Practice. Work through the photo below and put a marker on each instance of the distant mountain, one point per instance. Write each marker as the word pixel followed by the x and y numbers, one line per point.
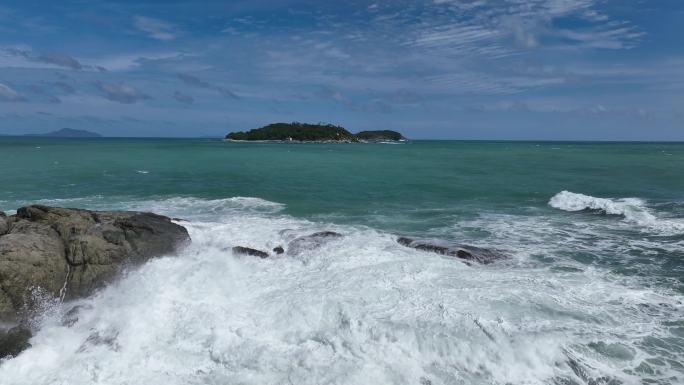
pixel 68 133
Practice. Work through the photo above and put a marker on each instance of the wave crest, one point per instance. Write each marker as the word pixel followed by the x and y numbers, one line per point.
pixel 633 210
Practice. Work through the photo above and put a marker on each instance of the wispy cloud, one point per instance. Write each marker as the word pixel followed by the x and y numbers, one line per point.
pixel 155 28
pixel 194 81
pixel 334 95
pixel 422 60
pixel 64 87
pixel 502 27
pixel 7 94
pixel 60 60
pixel 183 98
pixel 120 92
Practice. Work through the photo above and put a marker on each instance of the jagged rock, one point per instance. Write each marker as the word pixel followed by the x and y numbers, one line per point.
pixel 278 250
pixel 249 251
pixel 14 341
pixel 4 227
pixel 311 242
pixel 71 252
pixel 464 252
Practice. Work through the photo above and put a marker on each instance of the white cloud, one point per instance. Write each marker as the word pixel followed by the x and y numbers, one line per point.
pixel 7 94
pixel 127 61
pixel 60 60
pixel 196 82
pixel 120 92
pixel 463 28
pixel 155 28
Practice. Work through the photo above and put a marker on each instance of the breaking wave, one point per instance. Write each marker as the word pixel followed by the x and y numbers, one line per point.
pixel 360 309
pixel 633 210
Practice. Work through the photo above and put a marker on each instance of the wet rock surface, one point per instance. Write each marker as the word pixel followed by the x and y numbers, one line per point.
pixel 466 253
pixel 311 242
pixel 4 227
pixel 241 250
pixel 68 253
pixel 14 341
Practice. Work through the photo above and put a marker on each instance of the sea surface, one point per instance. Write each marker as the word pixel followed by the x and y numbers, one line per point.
pixel 593 291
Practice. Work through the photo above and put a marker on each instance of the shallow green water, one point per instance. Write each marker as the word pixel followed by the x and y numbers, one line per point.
pixel 425 188
pixel 350 179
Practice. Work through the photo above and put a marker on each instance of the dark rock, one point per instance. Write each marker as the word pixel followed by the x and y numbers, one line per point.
pixel 4 226
pixel 248 251
pixel 278 250
pixel 14 341
pixel 69 253
pixel 464 252
pixel 325 234
pixel 311 242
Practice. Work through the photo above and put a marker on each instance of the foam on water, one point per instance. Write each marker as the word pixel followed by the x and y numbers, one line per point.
pixel 633 210
pixel 361 309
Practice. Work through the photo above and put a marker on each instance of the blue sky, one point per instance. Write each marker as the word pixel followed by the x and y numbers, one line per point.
pixel 451 69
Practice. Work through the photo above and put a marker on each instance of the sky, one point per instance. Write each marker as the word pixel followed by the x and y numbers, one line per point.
pixel 431 69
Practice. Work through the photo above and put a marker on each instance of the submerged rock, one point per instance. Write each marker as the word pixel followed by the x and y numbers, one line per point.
pixel 71 317
pixel 278 250
pixel 464 252
pixel 14 341
pixel 249 251
pixel 68 253
pixel 311 242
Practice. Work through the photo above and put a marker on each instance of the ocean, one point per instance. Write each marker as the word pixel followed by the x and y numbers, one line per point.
pixel 592 291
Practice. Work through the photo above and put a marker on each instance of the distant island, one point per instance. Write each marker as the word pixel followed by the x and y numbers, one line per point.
pixel 380 136
pixel 67 133
pixel 304 132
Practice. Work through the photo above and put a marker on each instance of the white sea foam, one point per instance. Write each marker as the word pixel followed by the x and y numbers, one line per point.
pixel 359 310
pixel 633 210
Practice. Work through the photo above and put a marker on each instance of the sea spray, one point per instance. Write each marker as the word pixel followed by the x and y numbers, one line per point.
pixel 360 309
pixel 633 210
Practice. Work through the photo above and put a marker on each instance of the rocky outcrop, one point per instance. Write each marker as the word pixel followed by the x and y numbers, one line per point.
pixel 468 254
pixel 241 250
pixel 311 242
pixel 4 227
pixel 13 341
pixel 68 253
pixel 295 247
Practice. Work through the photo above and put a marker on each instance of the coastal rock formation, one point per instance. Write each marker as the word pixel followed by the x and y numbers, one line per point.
pixel 311 242
pixel 468 254
pixel 4 227
pixel 68 253
pixel 241 250
pixel 14 341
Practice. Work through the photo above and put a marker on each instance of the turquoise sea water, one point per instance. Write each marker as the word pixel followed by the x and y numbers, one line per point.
pixel 593 290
